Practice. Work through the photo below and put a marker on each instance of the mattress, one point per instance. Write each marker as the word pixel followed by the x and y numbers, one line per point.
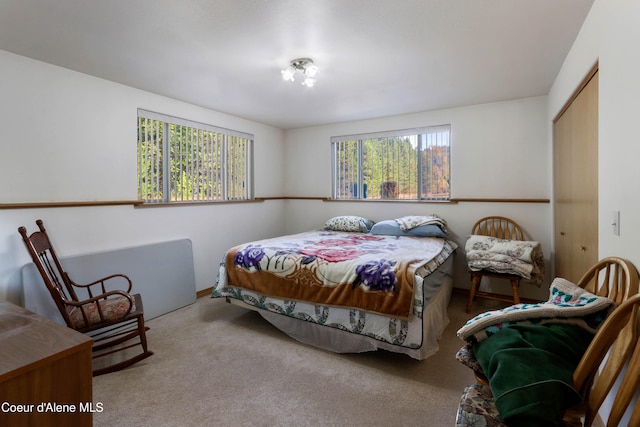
pixel 347 329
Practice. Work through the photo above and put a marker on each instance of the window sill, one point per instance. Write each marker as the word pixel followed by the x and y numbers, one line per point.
pixel 175 204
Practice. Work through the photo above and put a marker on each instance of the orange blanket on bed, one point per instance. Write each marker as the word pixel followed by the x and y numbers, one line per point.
pixel 372 273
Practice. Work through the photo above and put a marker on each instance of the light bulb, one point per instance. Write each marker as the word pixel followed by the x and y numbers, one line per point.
pixel 310 70
pixel 309 82
pixel 288 73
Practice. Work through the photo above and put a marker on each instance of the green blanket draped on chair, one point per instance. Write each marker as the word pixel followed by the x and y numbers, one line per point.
pixel 530 369
pixel 529 352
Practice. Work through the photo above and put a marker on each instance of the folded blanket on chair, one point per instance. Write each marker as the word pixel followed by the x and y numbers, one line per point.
pixel 530 370
pixel 567 303
pixel 520 257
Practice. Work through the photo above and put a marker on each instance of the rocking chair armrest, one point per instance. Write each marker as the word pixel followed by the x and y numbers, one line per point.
pixel 102 282
pixel 102 297
pixel 101 310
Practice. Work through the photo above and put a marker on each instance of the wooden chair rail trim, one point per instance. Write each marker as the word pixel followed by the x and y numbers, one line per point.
pixel 498 200
pixel 140 204
pixel 39 205
pixel 453 200
pixel 134 203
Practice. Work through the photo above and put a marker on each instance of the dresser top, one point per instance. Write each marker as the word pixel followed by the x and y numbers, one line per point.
pixel 27 339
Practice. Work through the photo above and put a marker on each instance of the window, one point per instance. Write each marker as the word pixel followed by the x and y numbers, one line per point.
pixel 411 164
pixel 184 161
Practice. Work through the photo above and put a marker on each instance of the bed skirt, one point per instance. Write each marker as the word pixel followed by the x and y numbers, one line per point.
pixel 433 322
pixel 337 341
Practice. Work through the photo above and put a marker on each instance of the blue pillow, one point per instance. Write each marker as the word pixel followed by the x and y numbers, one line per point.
pixel 390 227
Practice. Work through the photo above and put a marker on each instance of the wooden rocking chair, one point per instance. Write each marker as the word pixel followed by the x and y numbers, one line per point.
pixel 110 317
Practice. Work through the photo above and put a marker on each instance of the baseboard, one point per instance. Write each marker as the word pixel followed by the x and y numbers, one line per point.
pixel 461 291
pixel 204 292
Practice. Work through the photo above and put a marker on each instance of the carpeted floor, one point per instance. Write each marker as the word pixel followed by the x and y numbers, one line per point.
pixel 216 364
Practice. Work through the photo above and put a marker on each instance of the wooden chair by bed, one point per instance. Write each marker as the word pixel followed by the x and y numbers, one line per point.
pixel 501 228
pixel 618 337
pixel 612 277
pixel 112 318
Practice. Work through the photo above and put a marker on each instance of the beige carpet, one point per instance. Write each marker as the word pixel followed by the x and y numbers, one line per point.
pixel 216 364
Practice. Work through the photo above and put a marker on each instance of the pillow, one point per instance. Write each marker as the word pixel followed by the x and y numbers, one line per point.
pixel 412 221
pixel 390 227
pixel 349 223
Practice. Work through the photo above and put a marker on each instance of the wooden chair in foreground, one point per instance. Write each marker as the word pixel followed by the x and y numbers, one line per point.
pixel 618 337
pixel 593 379
pixel 612 277
pixel 617 279
pixel 111 317
pixel 501 228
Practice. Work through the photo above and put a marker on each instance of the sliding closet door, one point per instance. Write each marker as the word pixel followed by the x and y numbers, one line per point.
pixel 575 158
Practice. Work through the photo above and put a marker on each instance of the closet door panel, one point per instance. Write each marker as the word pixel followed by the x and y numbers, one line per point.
pixel 576 184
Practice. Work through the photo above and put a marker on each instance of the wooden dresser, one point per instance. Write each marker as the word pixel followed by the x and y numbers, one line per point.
pixel 45 371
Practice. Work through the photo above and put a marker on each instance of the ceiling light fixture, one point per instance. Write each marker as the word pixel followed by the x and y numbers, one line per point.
pixel 306 66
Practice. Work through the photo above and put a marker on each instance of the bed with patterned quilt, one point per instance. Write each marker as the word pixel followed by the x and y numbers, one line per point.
pixel 351 287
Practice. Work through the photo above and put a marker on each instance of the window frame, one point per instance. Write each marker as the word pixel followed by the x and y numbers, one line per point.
pixel 217 138
pixel 359 192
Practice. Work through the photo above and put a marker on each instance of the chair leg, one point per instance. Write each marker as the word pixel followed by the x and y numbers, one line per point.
pixel 515 284
pixel 475 283
pixel 142 332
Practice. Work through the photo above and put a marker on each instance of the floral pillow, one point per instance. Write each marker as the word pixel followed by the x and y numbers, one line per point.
pixel 349 223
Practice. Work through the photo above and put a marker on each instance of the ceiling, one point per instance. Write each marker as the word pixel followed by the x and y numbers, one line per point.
pixel 375 57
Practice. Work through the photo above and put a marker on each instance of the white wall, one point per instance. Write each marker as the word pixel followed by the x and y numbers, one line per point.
pixel 72 137
pixel 499 150
pixel 610 36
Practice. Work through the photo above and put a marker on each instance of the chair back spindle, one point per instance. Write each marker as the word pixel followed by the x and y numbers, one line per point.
pixel 50 268
pixel 499 227
pixel 612 277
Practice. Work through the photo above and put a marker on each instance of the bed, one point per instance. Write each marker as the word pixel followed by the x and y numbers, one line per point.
pixel 348 289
